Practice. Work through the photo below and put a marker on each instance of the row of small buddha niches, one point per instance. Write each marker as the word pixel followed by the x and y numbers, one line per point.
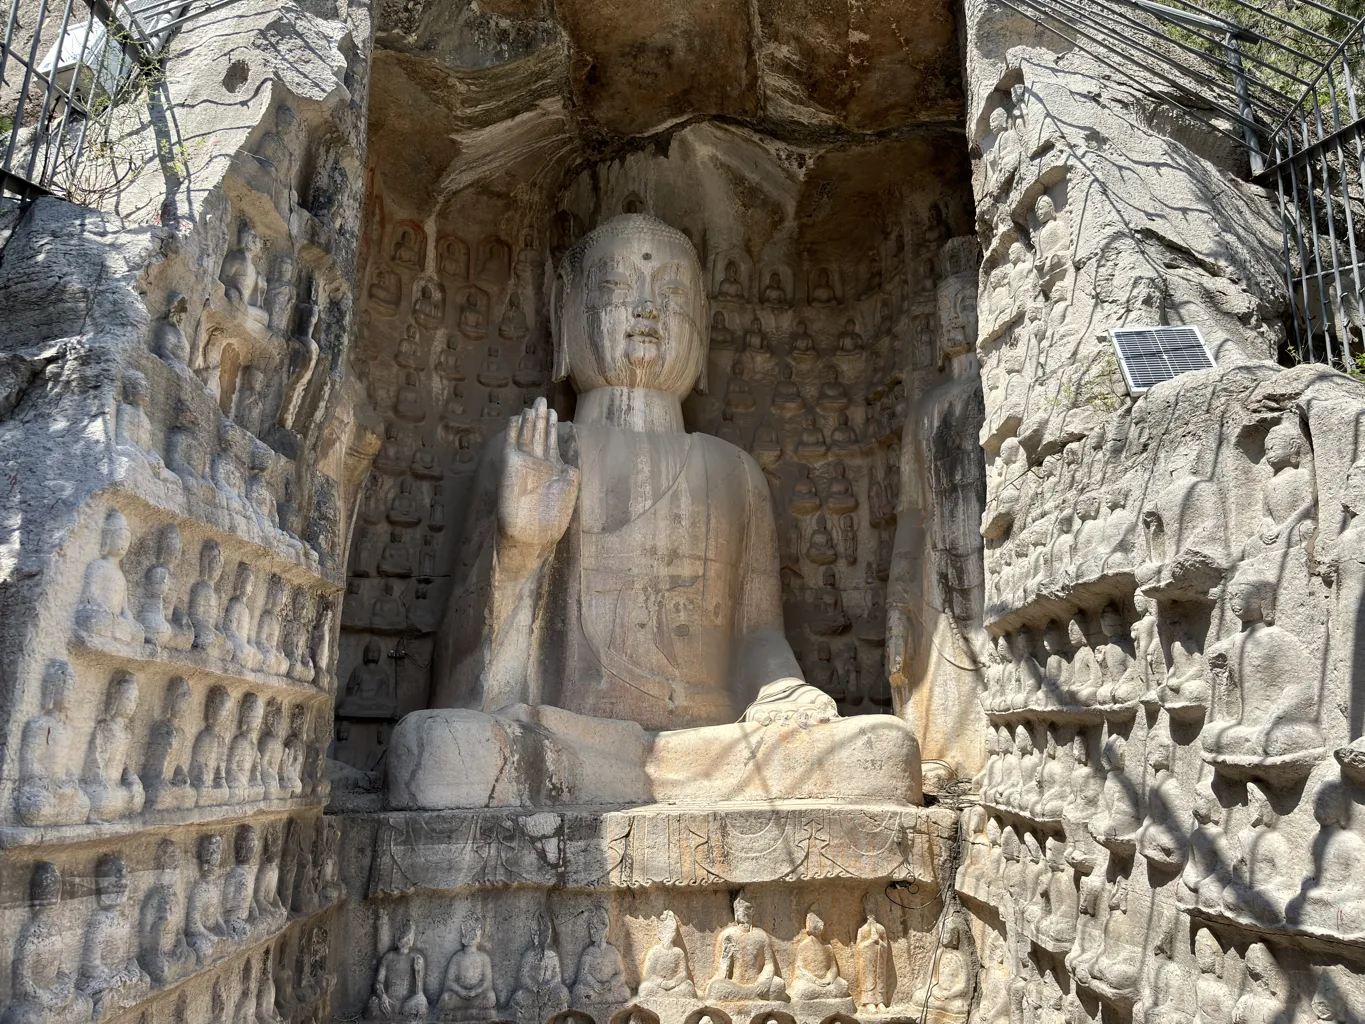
pixel 824 328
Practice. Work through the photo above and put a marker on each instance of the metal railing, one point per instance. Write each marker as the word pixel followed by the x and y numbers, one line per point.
pixel 1281 81
pixel 67 69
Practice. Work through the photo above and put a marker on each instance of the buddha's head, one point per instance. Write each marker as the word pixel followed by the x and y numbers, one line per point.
pixel 629 309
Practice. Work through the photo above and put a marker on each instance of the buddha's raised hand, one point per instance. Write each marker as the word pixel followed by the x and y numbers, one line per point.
pixel 538 489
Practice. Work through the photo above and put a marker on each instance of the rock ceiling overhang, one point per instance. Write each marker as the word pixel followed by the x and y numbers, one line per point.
pixel 502 93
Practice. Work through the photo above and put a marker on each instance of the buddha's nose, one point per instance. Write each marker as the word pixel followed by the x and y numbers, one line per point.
pixel 645 308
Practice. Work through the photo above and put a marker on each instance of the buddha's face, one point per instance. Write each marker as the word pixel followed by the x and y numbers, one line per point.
pixel 633 314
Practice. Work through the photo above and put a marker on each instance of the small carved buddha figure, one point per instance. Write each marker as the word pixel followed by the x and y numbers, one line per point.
pixel 243 771
pixel 773 292
pixel 1053 244
pixel 848 538
pixel 448 364
pixel 110 976
pixel 1161 839
pixel 728 429
pixel 766 448
pixel 395 559
pixel 1213 1000
pixel 803 345
pixel 204 927
pixel 513 325
pixel 805 499
pixel 730 286
pixel 400 980
pixel 409 354
pixel 746 963
pixel 428 303
pixel 386 290
pixel 822 674
pixel 266 1010
pixel 1054 778
pixel 843 437
pixel 113 788
pixel 492 373
pixel 601 977
pixel 103 609
pixel 164 771
pixel 271 749
pixel 229 480
pixel 168 334
pixel 1271 671
pixel 1029 679
pixel 291 763
pixel 203 604
pixel 850 341
pixel 403 508
pixel 948 990
pixel 1335 898
pixel 1085 785
pixel 828 617
pixel 786 395
pixel 872 954
pixel 296 649
pixel 721 336
pixel 472 323
pixel 48 792
pixel 407 404
pixel 530 371
pixel 241 281
pixel 162 950
pixel 820 550
pixel 267 909
pixel 493 410
pixel 815 972
pixel 540 991
pixel 1057 669
pixel 1186 689
pixel 405 251
pixel 267 643
pixel 1264 1000
pixel 1119 818
pixel 259 495
pixel 841 498
pixel 738 396
pixel 43 990
pixel 1089 940
pixel 1209 861
pixel 1059 926
pixel 468 989
pixel 239 912
pixel 387 612
pixel 237 620
pixel 280 295
pixel 1085 674
pixel 1114 662
pixel 1289 502
pixel 810 445
pixel 208 759
pixel 833 396
pixel 370 689
pixel 822 292
pixel 665 974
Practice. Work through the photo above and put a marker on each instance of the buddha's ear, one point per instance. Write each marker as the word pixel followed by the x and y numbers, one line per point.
pixel 558 289
pixel 704 336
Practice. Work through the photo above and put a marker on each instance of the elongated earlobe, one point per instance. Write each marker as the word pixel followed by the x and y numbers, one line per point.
pixel 557 293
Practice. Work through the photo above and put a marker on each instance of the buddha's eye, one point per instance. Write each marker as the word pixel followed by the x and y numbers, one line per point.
pixel 613 285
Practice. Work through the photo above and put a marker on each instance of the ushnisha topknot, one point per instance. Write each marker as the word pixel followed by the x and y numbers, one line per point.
pixel 624 225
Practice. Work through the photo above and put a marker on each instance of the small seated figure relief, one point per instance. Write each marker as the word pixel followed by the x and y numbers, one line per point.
pixel 393 457
pixel 371 690
pixel 1263 874
pixel 1029 678
pixel 406 251
pixel 1272 677
pixel 162 950
pixel 448 364
pixel 802 344
pixel 1187 527
pixel 1214 1003
pixel 738 395
pixel 1161 839
pixel 1209 860
pixel 843 437
pixel 1290 503
pixel 239 911
pixel 773 292
pixel 386 290
pixel 452 258
pixel 103 610
pixel 387 612
pixel 513 326
pixel 400 980
pixel 815 972
pixel 428 303
pixel 848 539
pixel 1058 928
pixel 1085 673
pixel 841 499
pixel 168 333
pixel 1085 785
pixel 540 991
pixel 872 954
pixel 403 508
pixel 241 281
pixel 110 976
pixel 1118 684
pixel 409 354
pixel 267 909
pixel 822 674
pixel 473 324
pixel 833 396
pixel 271 749
pixel 296 648
pixel 730 286
pixel 164 772
pixel 1333 900
pixel 810 445
pixel 722 337
pixel 1089 940
pixel 203 603
pixel 408 404
pixel 530 370
pixel 493 410
pixel 822 292
pixel 804 500
pixel 1119 818
pixel 42 989
pixel 273 661
pixel 665 974
pixel 1186 689
pixel 786 397
pixel 208 759
pixel 281 294
pixel 424 464
pixel 746 963
pixel 850 341
pixel 1053 244
pixel 729 430
pixel 204 928
pixel 259 495
pixel 755 341
pixel 291 762
pixel 820 550
pixel 237 620
pixel 947 992
pixel 468 990
pixel 243 771
pixel 828 616
pixel 134 426
pixel 395 559
pixel 601 977
pixel 1054 779
pixel 766 448
pixel 1116 972
pixel 492 373
pixel 229 480
pixel 109 782
pixel 48 792
pixel 1264 1000
pixel 1057 668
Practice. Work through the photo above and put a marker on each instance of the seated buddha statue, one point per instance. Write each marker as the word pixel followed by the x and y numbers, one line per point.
pixel 616 588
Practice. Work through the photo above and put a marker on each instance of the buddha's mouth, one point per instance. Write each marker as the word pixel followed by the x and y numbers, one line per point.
pixel 645 332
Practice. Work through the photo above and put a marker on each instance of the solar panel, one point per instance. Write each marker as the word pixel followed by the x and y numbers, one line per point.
pixel 1149 355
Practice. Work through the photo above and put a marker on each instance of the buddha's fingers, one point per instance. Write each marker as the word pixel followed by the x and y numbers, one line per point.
pixel 552 437
pixel 538 428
